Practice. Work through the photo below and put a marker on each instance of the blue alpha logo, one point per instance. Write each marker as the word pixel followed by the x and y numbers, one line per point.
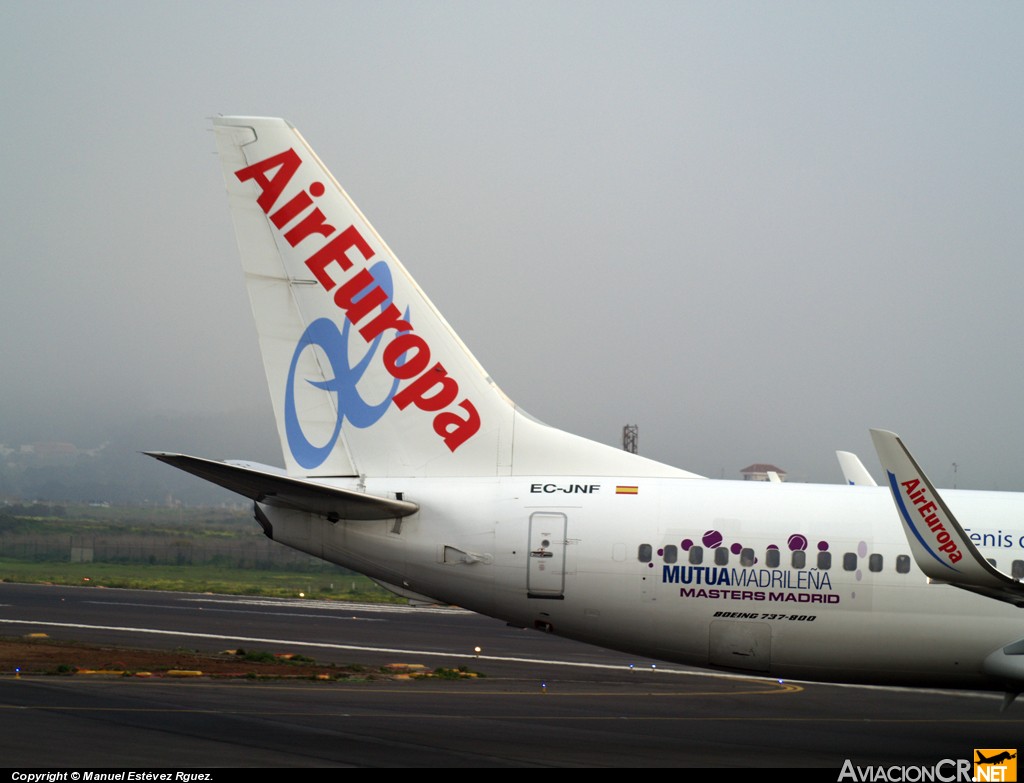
pixel 333 343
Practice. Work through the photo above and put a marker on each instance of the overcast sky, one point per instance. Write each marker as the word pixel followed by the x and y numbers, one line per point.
pixel 753 229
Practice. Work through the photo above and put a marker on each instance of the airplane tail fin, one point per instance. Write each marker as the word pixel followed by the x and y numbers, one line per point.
pixel 366 376
pixel 853 470
pixel 940 545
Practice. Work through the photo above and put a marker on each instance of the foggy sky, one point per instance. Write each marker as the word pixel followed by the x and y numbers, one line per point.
pixel 753 229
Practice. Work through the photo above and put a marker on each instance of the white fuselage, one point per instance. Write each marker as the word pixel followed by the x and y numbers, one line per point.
pixel 682 570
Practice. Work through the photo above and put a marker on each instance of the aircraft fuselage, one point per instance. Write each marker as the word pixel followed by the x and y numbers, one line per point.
pixel 742 576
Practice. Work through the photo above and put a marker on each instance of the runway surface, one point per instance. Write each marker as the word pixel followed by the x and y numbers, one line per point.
pixel 543 701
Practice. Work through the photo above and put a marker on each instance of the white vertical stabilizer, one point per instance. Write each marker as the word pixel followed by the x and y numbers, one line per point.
pixel 365 374
pixel 853 470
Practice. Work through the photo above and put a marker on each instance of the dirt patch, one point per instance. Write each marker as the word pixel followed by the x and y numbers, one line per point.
pixel 46 656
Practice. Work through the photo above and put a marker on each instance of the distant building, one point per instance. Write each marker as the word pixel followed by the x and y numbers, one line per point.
pixel 759 472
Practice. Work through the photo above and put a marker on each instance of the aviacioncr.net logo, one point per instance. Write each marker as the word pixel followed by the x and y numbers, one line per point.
pixel 333 343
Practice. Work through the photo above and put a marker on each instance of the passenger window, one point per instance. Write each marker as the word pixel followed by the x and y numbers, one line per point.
pixel 721 556
pixel 772 558
pixel 747 557
pixel 644 553
pixel 671 554
pixel 799 558
pixel 991 561
pixel 1017 569
pixel 875 563
pixel 850 561
pixel 824 560
pixel 696 555
pixel 903 564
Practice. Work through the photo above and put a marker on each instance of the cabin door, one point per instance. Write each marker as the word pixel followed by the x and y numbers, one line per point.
pixel 545 574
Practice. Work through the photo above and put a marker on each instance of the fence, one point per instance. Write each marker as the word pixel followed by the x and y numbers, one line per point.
pixel 258 553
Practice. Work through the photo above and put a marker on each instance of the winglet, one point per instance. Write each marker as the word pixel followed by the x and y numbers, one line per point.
pixel 941 548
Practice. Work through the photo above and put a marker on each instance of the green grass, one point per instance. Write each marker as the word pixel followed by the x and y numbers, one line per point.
pixel 139 547
pixel 133 520
pixel 329 584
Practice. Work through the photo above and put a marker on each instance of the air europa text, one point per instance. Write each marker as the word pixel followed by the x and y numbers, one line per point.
pixel 407 357
pixel 927 509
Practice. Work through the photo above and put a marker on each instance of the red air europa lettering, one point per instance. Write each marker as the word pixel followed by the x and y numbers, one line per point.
pixel 355 293
pixel 926 508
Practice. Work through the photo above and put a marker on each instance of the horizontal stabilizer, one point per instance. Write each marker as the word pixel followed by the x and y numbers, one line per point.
pixel 941 548
pixel 274 489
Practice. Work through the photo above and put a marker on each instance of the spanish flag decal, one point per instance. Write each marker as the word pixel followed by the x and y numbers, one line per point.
pixel 622 490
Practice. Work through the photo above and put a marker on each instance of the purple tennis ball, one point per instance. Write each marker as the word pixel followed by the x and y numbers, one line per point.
pixel 797 542
pixel 712 539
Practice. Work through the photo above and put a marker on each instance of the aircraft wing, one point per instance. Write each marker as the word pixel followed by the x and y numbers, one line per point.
pixel 265 485
pixel 938 542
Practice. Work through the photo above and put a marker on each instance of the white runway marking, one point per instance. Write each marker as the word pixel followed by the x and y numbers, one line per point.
pixel 360 648
pixel 261 613
pixel 469 656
